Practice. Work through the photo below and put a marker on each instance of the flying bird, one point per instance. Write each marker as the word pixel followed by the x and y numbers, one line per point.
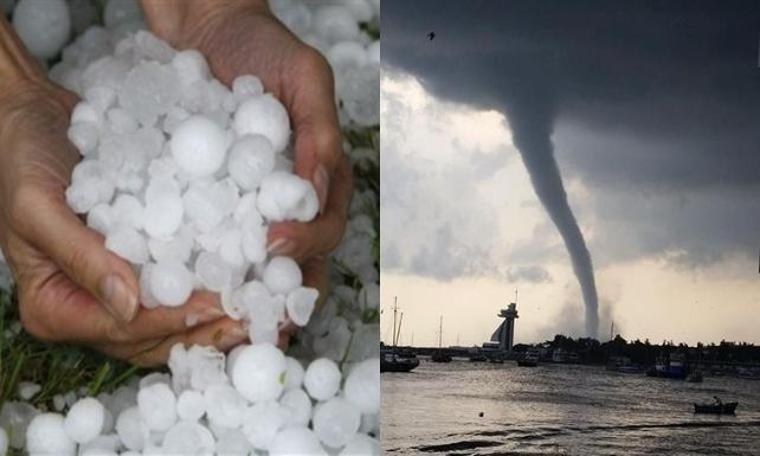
pixel 430 36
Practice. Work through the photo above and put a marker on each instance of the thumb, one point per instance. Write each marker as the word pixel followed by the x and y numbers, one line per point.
pixel 80 252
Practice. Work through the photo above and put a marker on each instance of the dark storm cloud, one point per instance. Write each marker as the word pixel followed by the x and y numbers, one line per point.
pixel 685 72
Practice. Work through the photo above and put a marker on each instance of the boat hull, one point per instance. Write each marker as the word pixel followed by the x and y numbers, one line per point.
pixel 729 408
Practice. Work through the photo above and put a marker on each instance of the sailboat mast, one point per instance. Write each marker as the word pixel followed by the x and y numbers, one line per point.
pixel 400 320
pixel 395 309
pixel 440 333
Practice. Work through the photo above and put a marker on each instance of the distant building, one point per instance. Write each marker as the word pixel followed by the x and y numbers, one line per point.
pixel 503 338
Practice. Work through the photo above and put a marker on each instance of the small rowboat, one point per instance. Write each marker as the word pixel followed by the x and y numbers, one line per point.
pixel 727 408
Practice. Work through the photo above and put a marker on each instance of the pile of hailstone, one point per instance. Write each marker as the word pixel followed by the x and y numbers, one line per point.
pixel 323 395
pixel 256 399
pixel 182 176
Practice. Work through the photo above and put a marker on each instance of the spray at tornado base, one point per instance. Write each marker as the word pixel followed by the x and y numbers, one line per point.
pixel 531 134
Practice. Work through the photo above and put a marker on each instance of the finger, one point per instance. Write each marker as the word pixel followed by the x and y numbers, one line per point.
pixel 318 141
pixel 49 225
pixel 223 334
pixel 302 241
pixel 202 307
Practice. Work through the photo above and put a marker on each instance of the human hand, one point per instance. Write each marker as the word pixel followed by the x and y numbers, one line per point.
pixel 71 289
pixel 243 37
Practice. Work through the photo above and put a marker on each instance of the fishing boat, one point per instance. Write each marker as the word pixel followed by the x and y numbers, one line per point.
pixel 671 367
pixel 393 358
pixel 716 408
pixel 440 356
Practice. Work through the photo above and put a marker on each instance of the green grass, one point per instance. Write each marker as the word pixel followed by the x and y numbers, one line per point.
pixel 57 368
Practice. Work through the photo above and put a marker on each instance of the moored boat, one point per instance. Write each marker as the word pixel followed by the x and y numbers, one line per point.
pixel 716 408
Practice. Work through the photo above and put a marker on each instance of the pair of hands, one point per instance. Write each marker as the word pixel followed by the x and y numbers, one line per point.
pixel 71 289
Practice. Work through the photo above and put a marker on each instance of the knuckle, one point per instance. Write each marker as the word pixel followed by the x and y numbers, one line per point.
pixel 315 64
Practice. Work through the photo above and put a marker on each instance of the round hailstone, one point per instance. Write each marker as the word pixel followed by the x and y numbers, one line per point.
pixel 85 420
pixel 335 23
pixel 246 86
pixel 264 115
pixel 191 66
pixel 322 379
pixel 44 29
pixel 171 284
pixel 46 435
pixel 163 208
pixel 187 438
pixel 199 146
pixel 84 136
pixel 212 271
pixel 361 444
pixel 300 304
pixel 259 371
pixel 191 405
pixel 295 374
pixel 224 406
pixel 292 441
pixel 232 442
pixel 232 357
pixel 284 196
pixel 158 406
pixel 336 422
pixel 262 421
pixel 362 386
pixel 251 159
pixel 128 243
pixel 298 405
pixel 282 275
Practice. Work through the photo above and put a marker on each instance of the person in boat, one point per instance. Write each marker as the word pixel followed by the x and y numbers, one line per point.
pixel 718 401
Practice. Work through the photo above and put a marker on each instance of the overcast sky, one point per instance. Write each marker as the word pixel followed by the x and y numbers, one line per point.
pixel 653 109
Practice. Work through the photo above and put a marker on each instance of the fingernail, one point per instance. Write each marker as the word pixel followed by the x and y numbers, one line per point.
pixel 120 301
pixel 321 185
pixel 282 246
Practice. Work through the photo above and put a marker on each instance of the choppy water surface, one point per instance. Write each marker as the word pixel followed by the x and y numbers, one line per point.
pixel 561 409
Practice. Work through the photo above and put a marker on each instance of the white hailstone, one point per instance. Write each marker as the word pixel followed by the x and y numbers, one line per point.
pixel 190 405
pixel 191 66
pixel 363 445
pixel 284 196
pixel 171 283
pixel 206 367
pixel 264 115
pixel 336 422
pixel 361 95
pixel 153 378
pixel 128 243
pixel 4 442
pixel 188 438
pixel 231 248
pixel 298 405
pixel 148 91
pixel 295 374
pixel 212 271
pixel 84 136
pixel 282 275
pixel 322 379
pixel 232 357
pixel 180 248
pixel 199 146
pixel 44 30
pixel 208 203
pixel 259 372
pixel 224 406
pixel 45 435
pixel 254 237
pixel 335 23
pixel 247 86
pixel 27 390
pixel 361 9
pixel 232 442
pixel 59 403
pixel 251 159
pixel 158 406
pixel 262 421
pixel 163 208
pixel 362 386
pixel 300 304
pixel 146 295
pixel 292 441
pixel 121 121
pixel 101 445
pixel 84 421
pixel 346 54
pixel 100 97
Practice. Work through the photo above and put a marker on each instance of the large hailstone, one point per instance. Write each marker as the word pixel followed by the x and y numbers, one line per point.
pixel 285 196
pixel 259 371
pixel 322 379
pixel 264 115
pixel 85 420
pixel 199 146
pixel 46 435
pixel 362 386
pixel 44 28
pixel 336 422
